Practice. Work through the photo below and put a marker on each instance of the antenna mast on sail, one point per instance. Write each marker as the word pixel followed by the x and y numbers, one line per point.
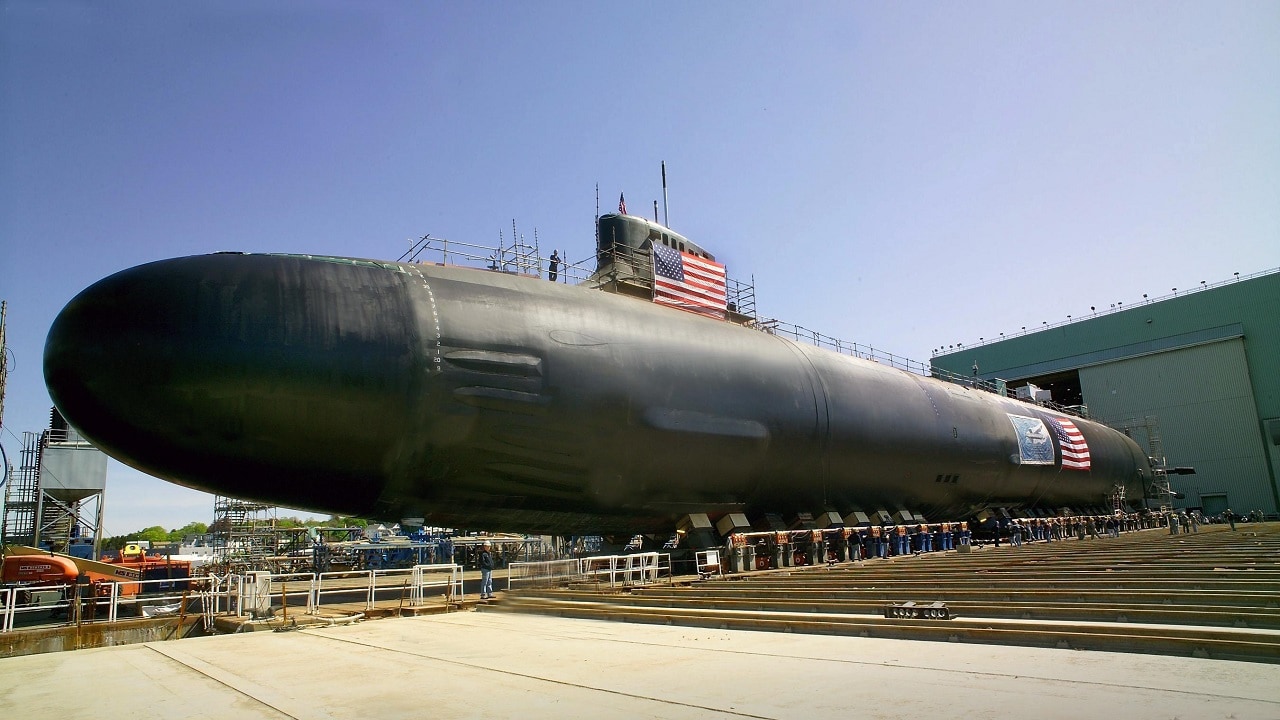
pixel 665 220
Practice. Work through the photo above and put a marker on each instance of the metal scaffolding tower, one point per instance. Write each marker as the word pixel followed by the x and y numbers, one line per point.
pixel 1118 504
pixel 21 494
pixel 1146 432
pixel 244 534
pixel 742 299
pixel 520 257
pixel 55 499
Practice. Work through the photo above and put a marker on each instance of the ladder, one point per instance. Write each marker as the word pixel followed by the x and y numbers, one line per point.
pixel 1160 489
pixel 1117 498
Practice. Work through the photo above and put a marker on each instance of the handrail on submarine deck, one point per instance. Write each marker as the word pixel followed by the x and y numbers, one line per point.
pixel 866 352
pixel 523 259
pixel 520 259
pixel 517 258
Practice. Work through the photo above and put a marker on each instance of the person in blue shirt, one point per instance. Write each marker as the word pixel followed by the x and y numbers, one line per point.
pixel 486 571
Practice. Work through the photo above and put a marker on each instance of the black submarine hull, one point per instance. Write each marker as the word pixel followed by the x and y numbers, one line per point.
pixel 478 399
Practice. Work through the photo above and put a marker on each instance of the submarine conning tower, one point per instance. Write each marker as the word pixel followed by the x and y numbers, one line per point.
pixel 624 262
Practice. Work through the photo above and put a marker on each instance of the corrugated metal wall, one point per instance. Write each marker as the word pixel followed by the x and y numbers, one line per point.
pixel 1204 403
pixel 1271 439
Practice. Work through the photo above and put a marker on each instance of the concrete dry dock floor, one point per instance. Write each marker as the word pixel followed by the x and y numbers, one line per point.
pixel 500 665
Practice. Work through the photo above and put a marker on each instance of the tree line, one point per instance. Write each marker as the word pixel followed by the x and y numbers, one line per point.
pixel 157 535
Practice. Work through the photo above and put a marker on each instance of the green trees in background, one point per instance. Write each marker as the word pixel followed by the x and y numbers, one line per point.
pixel 157 535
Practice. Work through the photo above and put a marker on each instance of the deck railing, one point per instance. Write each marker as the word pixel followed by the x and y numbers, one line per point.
pixel 527 260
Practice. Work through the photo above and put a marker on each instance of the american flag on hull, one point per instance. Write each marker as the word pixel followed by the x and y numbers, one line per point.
pixel 1075 451
pixel 688 282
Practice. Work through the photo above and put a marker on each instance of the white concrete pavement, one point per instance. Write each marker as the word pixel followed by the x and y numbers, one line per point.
pixel 501 665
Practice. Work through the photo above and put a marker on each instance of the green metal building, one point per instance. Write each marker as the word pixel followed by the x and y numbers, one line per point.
pixel 1193 377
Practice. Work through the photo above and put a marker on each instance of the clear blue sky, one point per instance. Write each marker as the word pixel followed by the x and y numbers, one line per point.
pixel 905 175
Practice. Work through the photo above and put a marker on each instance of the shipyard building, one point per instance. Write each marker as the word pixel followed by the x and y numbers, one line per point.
pixel 1193 376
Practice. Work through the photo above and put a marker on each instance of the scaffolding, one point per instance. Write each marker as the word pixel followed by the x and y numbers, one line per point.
pixel 1146 432
pixel 244 534
pixel 520 257
pixel 619 269
pixel 741 295
pixel 55 499
pixel 1118 503
pixel 21 495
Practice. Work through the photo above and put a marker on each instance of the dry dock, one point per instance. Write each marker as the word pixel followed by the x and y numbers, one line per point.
pixel 1211 594
pixel 531 665
pixel 498 665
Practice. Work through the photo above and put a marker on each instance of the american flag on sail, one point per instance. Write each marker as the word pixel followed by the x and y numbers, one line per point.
pixel 1075 451
pixel 688 282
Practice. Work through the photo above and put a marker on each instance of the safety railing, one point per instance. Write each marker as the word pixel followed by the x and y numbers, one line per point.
pixel 39 606
pixel 517 258
pixel 51 605
pixel 524 259
pixel 214 594
pixel 225 589
pixel 114 594
pixel 298 586
pixel 350 586
pixel 261 591
pixel 386 582
pixel 632 265
pixel 867 352
pixel 255 593
pixel 374 585
pixel 626 570
pixel 708 563
pixel 156 598
pixel 613 570
pixel 543 573
pixel 448 577
pixel 6 609
pixel 843 347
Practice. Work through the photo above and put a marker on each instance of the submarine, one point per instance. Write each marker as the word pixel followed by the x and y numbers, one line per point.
pixel 473 398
